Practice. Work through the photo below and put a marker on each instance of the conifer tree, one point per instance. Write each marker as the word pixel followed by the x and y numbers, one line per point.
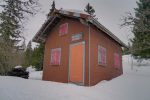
pixel 90 10
pixel 12 17
pixel 52 9
pixel 28 55
pixel 141 29
pixel 37 57
pixel 53 6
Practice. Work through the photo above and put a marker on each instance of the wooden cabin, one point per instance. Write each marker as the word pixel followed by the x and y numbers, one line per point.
pixel 78 49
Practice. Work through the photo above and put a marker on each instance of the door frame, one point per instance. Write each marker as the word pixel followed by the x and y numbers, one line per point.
pixel 71 45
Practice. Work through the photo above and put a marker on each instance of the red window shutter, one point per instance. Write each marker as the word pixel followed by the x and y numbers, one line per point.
pixel 104 56
pixel 55 56
pixel 101 55
pixel 63 29
pixel 52 57
pixel 117 60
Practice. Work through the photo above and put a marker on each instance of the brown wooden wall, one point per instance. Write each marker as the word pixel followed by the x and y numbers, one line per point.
pixel 98 73
pixel 60 73
pixel 106 72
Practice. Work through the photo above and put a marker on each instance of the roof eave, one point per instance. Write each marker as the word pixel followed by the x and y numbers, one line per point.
pixel 100 26
pixel 39 35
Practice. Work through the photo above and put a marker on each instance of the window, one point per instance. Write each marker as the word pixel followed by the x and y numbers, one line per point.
pixel 117 60
pixel 101 55
pixel 63 29
pixel 55 56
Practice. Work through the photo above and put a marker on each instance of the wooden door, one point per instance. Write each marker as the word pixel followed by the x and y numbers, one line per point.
pixel 77 63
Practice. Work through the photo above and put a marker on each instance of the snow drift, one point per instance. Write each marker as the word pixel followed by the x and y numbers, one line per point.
pixel 132 85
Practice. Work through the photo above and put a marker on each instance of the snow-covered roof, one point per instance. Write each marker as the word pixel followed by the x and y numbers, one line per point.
pixel 75 11
pixel 41 36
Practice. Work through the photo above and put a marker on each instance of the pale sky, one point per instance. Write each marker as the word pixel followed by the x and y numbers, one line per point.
pixel 108 12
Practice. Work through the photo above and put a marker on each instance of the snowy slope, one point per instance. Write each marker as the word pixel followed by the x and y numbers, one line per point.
pixel 37 75
pixel 132 85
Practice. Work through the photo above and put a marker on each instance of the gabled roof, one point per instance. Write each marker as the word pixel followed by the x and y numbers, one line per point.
pixel 55 17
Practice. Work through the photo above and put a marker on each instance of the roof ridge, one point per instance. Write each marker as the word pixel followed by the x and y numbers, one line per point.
pixel 84 16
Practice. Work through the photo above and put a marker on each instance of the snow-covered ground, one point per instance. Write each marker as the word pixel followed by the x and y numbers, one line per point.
pixel 132 85
pixel 37 75
pixel 33 74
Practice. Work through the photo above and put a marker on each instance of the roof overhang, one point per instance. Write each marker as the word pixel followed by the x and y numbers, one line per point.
pixel 41 35
pixel 109 33
pixel 49 24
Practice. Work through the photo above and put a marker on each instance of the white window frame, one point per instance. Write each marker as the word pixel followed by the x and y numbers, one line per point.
pixel 60 34
pixel 99 55
pixel 59 58
pixel 115 66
